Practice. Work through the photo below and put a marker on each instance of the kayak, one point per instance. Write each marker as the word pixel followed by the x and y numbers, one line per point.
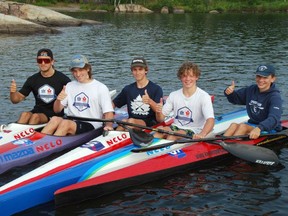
pixel 124 168
pixel 85 162
pixel 37 146
pixel 15 131
pixel 26 144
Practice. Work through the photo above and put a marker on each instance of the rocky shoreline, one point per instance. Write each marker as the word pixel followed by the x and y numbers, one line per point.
pixel 20 18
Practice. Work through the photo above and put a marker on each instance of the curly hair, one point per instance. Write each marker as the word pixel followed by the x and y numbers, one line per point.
pixel 188 67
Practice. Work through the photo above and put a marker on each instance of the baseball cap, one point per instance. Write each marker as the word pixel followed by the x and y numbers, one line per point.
pixel 265 70
pixel 139 61
pixel 78 61
pixel 45 52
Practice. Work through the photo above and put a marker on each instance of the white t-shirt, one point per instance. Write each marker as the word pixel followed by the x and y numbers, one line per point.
pixel 89 100
pixel 189 113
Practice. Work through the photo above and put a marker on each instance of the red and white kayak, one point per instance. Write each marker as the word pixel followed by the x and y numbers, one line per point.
pixel 124 168
pixel 37 146
pixel 93 159
pixel 25 144
pixel 15 131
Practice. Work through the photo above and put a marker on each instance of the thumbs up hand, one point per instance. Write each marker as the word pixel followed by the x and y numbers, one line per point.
pixel 13 86
pixel 159 106
pixel 62 95
pixel 230 89
pixel 146 98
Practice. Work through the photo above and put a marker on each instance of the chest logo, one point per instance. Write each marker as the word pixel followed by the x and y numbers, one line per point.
pixel 255 107
pixel 184 116
pixel 46 93
pixel 81 102
pixel 138 107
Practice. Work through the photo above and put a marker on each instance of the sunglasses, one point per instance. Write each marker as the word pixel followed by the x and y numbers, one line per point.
pixel 46 61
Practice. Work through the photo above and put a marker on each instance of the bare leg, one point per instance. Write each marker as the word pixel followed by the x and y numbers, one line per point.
pixel 24 117
pixel 172 137
pixel 231 130
pixel 162 135
pixel 52 125
pixel 243 129
pixel 119 128
pixel 66 127
pixel 38 118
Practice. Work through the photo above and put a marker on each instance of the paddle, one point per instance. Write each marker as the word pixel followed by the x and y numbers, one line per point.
pixel 250 153
pixel 183 141
pixel 145 127
pixel 139 138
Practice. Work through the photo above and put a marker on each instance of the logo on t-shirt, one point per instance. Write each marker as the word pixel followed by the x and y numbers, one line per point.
pixel 138 107
pixel 46 93
pixel 184 116
pixel 255 107
pixel 81 102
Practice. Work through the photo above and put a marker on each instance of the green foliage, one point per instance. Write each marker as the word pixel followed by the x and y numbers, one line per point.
pixel 189 6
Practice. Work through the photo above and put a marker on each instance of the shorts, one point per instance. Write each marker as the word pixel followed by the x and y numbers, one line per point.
pixel 149 122
pixel 262 132
pixel 83 127
pixel 49 113
pixel 187 131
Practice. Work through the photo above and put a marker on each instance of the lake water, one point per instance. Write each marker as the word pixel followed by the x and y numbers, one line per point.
pixel 226 46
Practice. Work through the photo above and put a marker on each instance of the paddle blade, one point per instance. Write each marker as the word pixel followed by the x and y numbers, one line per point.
pixel 255 154
pixel 140 138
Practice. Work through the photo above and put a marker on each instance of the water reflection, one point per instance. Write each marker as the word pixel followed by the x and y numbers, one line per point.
pixel 226 46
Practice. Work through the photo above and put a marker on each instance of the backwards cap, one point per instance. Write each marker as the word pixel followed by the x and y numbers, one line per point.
pixel 45 52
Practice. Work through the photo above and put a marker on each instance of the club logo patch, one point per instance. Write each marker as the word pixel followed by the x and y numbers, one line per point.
pixel 81 102
pixel 255 107
pixel 184 116
pixel 138 107
pixel 46 93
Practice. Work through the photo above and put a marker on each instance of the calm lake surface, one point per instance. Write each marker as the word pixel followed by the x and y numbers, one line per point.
pixel 226 46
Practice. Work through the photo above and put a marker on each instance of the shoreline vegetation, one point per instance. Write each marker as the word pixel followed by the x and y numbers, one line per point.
pixel 187 6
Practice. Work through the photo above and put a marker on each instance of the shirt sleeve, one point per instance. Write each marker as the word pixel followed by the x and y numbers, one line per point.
pixel 168 106
pixel 120 99
pixel 274 116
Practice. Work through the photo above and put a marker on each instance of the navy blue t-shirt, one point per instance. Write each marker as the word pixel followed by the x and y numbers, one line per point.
pixel 131 96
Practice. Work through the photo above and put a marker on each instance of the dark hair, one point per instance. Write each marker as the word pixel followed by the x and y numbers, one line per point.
pixel 89 68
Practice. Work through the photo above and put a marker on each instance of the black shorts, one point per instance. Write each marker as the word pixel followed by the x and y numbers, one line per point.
pixel 149 122
pixel 83 127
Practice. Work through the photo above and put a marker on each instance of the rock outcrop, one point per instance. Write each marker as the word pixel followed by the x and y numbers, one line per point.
pixel 24 18
pixel 14 25
pixel 42 16
pixel 132 8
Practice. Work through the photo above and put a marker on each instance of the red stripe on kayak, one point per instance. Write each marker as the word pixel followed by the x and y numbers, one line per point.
pixel 9 146
pixel 193 153
pixel 68 165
